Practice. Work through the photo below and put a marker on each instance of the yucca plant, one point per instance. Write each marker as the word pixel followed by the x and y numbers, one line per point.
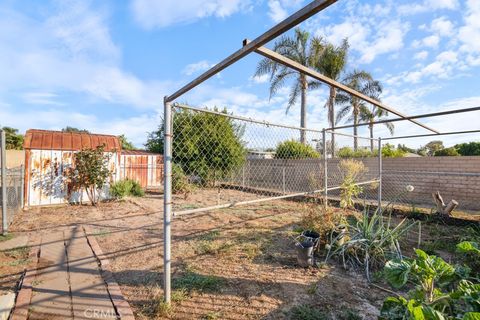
pixel 370 241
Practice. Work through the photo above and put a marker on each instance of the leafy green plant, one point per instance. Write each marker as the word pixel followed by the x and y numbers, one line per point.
pixel 471 255
pixel 89 172
pixel 370 241
pixel 180 183
pixel 206 145
pixel 292 149
pixel 125 188
pixel 351 171
pixel 431 298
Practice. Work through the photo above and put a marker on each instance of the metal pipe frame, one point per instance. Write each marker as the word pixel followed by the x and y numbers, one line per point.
pixel 426 115
pixel 325 169
pixel 351 135
pixel 432 135
pixel 265 123
pixel 241 203
pixel 290 22
pixel 380 169
pixel 167 199
pixel 295 19
pixel 3 158
pixel 318 76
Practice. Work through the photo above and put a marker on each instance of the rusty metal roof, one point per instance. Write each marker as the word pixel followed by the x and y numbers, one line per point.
pixel 72 141
pixel 139 153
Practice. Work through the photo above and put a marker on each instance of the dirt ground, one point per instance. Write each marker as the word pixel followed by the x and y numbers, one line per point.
pixel 237 263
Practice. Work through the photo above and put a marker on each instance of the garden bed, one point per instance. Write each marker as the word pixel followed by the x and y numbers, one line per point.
pixel 234 263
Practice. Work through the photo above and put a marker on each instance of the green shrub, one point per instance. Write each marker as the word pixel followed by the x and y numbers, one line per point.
pixel 468 149
pixel 352 172
pixel 447 152
pixel 206 145
pixel 292 149
pixel 125 188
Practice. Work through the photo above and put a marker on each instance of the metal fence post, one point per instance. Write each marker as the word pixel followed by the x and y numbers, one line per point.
pixel 380 168
pixel 283 180
pixel 325 169
pixel 167 199
pixel 22 179
pixel 4 182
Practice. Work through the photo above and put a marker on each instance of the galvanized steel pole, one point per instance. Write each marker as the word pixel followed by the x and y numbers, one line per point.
pixel 4 182
pixel 22 191
pixel 167 199
pixel 380 168
pixel 325 170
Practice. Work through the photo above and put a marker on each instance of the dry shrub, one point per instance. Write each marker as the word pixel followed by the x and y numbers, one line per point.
pixel 352 171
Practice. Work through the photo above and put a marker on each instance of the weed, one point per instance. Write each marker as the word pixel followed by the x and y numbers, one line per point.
pixel 5 237
pixel 127 187
pixel 17 253
pixel 306 312
pixel 312 289
pixel 192 281
pixel 15 263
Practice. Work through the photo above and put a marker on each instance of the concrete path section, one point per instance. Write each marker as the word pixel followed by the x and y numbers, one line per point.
pixel 68 284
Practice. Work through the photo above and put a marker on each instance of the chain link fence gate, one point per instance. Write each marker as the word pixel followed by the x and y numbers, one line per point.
pixel 11 187
pixel 220 160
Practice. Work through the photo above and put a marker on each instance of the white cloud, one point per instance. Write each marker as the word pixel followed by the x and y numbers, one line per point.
pixel 71 50
pixel 278 10
pixel 469 33
pixel 427 5
pixel 196 67
pixel 162 13
pixel 442 27
pixel 44 98
pixel 431 41
pixel 422 55
pixel 260 79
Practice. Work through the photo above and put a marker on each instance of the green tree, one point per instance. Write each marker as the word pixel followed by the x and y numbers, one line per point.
pixel 90 172
pixel 75 130
pixel 331 61
pixel 126 145
pixel 207 146
pixel 446 152
pixel 292 149
pixel 13 140
pixel 468 149
pixel 433 146
pixel 364 83
pixel 300 48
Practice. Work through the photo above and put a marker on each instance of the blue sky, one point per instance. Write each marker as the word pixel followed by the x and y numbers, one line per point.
pixel 106 65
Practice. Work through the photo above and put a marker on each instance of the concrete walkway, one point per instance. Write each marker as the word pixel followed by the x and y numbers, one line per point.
pixel 68 282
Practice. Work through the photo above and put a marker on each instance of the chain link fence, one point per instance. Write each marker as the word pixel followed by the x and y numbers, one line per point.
pixel 14 193
pixel 11 187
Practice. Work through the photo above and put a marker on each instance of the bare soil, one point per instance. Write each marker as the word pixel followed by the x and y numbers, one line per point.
pixel 237 263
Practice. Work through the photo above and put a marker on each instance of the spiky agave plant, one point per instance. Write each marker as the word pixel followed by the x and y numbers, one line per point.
pixel 370 242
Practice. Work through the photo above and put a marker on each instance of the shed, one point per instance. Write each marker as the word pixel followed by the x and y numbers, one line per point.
pixel 48 154
pixel 142 166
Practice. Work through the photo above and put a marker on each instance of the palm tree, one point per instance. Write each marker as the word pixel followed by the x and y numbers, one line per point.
pixel 370 114
pixel 364 83
pixel 331 63
pixel 304 50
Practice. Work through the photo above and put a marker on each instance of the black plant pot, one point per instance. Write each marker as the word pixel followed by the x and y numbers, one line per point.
pixel 305 253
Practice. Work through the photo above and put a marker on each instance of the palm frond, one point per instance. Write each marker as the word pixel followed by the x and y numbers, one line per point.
pixel 342 113
pixel 292 99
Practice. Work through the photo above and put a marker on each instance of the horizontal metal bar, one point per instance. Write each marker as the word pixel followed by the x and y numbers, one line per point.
pixel 316 75
pixel 426 115
pixel 268 124
pixel 350 135
pixel 240 203
pixel 432 135
pixel 431 173
pixel 298 17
